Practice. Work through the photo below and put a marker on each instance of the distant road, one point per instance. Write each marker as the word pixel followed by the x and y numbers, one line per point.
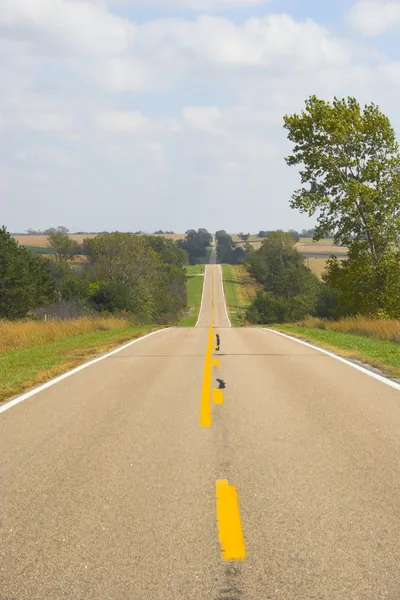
pixel 111 488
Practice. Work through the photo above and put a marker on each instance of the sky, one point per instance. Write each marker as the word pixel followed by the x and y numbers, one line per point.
pixel 168 114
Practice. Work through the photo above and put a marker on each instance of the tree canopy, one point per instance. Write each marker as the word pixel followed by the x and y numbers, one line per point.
pixel 25 279
pixel 350 171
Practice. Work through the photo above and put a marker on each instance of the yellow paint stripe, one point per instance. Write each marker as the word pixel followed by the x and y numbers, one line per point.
pixel 216 362
pixel 228 519
pixel 218 396
pixel 205 405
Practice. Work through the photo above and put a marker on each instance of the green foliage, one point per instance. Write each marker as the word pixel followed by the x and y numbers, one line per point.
pixel 268 308
pixel 195 244
pixel 25 280
pixel 365 285
pixel 64 246
pixel 350 174
pixel 227 252
pixel 138 274
pixel 70 285
pixel 291 289
pixel 168 250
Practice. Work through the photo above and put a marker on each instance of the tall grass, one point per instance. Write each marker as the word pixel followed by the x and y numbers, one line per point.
pixel 383 329
pixel 27 333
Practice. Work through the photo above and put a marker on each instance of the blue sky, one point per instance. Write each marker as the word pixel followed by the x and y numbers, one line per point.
pixel 149 114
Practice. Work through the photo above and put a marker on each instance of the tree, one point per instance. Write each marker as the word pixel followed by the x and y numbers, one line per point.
pixel 195 244
pixel 365 286
pixel 350 173
pixel 25 279
pixel 140 274
pixel 291 290
pixel 64 246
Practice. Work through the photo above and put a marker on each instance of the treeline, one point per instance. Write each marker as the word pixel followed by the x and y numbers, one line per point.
pixel 291 291
pixel 227 252
pixel 142 275
pixel 350 163
pixel 196 245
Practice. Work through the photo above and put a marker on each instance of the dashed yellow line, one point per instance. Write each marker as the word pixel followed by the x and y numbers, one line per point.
pixel 229 524
pixel 216 362
pixel 218 396
pixel 205 406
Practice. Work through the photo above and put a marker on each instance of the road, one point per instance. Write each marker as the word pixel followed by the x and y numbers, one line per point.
pixel 110 484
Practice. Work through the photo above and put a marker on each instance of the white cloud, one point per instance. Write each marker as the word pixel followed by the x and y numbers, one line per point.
pixel 373 17
pixel 197 5
pixel 202 118
pixel 157 112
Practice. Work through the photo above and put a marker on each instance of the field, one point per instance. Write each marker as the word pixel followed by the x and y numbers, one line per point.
pixel 195 275
pixel 32 353
pixel 240 291
pixel 323 248
pixel 42 241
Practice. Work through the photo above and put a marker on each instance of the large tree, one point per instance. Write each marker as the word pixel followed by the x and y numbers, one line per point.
pixel 64 246
pixel 350 172
pixel 25 279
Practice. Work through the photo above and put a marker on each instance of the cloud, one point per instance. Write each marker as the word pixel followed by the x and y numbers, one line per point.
pixel 173 119
pixel 196 5
pixel 373 17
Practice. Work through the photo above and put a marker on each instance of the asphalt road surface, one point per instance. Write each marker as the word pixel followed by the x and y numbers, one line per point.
pixel 110 484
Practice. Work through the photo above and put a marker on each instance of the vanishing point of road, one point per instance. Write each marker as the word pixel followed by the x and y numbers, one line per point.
pixel 171 470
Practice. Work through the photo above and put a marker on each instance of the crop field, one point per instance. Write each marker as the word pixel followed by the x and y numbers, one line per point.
pixel 42 241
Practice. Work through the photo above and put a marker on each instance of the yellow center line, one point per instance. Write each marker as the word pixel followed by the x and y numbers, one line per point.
pixel 229 525
pixel 205 406
pixel 216 362
pixel 218 396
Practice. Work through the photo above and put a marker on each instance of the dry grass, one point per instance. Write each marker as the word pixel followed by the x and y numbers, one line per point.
pixel 321 249
pixel 383 329
pixel 316 265
pixel 42 241
pixel 247 287
pixel 27 333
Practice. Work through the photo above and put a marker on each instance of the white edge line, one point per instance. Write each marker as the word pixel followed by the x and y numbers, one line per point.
pixel 202 294
pixel 380 378
pixel 52 382
pixel 223 292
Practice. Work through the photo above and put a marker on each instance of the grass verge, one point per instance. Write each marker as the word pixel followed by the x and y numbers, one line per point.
pixel 240 291
pixel 25 333
pixel 24 368
pixel 195 280
pixel 380 353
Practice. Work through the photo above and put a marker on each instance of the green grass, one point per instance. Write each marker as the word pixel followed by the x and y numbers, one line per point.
pixel 231 294
pixel 195 282
pixel 383 354
pixel 194 269
pixel 40 249
pixel 27 367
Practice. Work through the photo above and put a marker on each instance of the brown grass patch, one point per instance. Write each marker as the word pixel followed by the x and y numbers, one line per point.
pixel 321 249
pixel 26 333
pixel 247 286
pixel 41 240
pixel 383 329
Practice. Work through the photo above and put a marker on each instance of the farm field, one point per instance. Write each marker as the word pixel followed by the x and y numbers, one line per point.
pixel 316 265
pixel 240 291
pixel 306 246
pixel 41 240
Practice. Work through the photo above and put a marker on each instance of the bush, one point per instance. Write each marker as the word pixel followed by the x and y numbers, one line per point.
pixel 267 308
